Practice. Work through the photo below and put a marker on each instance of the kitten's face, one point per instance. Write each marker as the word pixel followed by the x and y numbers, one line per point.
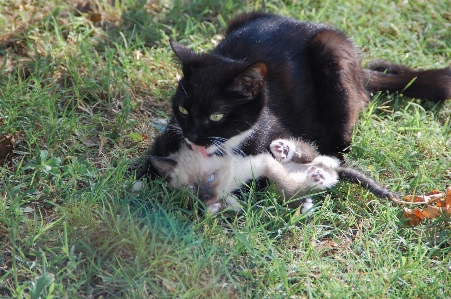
pixel 205 178
pixel 217 99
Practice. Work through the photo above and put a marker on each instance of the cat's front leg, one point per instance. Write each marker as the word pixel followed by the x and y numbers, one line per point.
pixel 282 149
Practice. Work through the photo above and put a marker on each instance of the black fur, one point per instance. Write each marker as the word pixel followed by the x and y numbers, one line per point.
pixel 357 177
pixel 283 78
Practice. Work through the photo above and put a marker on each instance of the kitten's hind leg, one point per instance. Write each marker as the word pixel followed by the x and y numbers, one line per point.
pixel 319 178
pixel 307 205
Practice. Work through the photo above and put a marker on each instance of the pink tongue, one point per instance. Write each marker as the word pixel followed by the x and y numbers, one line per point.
pixel 200 149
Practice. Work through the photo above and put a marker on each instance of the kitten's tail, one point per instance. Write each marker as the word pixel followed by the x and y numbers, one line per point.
pixel 357 177
pixel 433 85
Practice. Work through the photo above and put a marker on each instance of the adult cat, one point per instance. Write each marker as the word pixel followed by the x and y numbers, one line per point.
pixel 216 180
pixel 275 77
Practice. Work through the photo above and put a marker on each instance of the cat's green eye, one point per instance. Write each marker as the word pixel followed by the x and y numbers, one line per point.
pixel 183 110
pixel 216 116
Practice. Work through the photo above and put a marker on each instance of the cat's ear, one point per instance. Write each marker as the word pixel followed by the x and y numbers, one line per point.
pixel 164 165
pixel 183 53
pixel 250 81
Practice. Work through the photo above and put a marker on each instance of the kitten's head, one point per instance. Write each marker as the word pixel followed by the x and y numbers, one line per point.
pixel 205 178
pixel 217 98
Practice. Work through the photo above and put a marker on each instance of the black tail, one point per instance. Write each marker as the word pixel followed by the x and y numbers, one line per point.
pixel 357 177
pixel 433 85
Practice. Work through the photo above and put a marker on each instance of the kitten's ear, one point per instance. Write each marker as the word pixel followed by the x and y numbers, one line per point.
pixel 250 82
pixel 164 165
pixel 183 53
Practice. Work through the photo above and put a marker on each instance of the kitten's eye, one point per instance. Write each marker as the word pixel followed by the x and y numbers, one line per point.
pixel 216 116
pixel 191 187
pixel 211 178
pixel 183 110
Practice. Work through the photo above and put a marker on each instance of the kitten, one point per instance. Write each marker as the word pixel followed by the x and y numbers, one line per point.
pixel 214 180
pixel 274 77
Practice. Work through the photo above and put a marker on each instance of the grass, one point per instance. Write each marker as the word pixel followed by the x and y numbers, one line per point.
pixel 80 85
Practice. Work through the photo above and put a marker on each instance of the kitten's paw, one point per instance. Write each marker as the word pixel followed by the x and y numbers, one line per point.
pixel 307 205
pixel 233 203
pixel 316 176
pixel 283 150
pixel 319 178
pixel 214 208
pixel 137 186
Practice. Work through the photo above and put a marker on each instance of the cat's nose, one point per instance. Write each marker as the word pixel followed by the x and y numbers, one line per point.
pixel 193 134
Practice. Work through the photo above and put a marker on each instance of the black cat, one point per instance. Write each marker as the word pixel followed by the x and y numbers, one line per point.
pixel 274 77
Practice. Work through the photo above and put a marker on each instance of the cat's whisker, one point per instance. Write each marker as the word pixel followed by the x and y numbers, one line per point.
pixel 184 91
pixel 219 146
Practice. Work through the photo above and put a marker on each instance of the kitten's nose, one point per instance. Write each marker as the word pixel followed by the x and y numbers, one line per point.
pixel 204 193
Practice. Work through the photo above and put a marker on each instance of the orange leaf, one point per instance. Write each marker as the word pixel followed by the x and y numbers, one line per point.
pixel 407 198
pixel 433 195
pixel 435 192
pixel 415 216
pixel 441 204
pixel 448 198
pixel 431 212
pixel 95 17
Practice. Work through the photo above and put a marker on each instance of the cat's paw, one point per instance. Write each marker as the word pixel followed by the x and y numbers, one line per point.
pixel 317 177
pixel 283 150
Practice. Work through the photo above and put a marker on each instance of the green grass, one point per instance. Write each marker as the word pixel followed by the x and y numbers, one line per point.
pixel 79 98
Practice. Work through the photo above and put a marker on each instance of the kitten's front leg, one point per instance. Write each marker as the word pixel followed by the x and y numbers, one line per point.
pixel 282 149
pixel 224 203
pixel 214 208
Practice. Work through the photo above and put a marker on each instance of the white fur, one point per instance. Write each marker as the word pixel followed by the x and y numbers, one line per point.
pixel 137 186
pixel 277 149
pixel 214 208
pixel 307 205
pixel 232 171
pixel 233 203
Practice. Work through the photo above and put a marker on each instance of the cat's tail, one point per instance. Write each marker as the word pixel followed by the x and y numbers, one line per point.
pixel 357 177
pixel 433 85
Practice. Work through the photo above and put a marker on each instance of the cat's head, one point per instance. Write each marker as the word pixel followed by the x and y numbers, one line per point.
pixel 205 178
pixel 217 98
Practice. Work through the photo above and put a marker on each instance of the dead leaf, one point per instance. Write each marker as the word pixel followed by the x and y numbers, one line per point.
pixel 432 212
pixel 448 201
pixel 95 17
pixel 415 216
pixel 432 196
pixel 7 143
pixel 435 206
